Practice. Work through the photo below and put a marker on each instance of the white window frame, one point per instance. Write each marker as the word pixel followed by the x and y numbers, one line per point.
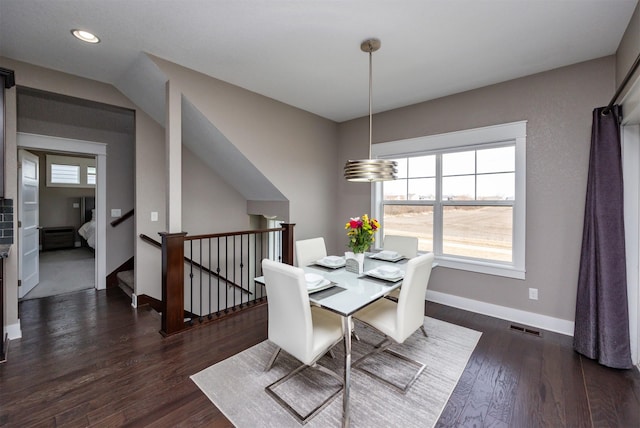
pixel 473 139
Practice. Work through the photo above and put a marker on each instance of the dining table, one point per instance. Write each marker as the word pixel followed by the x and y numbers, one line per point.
pixel 346 293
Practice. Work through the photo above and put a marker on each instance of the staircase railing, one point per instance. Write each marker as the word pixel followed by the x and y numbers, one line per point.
pixel 193 264
pixel 217 279
pixel 119 220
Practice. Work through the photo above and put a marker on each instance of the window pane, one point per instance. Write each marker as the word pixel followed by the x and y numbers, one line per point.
pixel 501 159
pixel 91 175
pixel 422 166
pixel 499 187
pixel 458 188
pixel 478 232
pixel 422 189
pixel 459 163
pixel 65 174
pixel 395 190
pixel 29 169
pixel 410 221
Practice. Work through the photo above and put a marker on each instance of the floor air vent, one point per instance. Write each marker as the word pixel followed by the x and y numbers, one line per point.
pixel 527 330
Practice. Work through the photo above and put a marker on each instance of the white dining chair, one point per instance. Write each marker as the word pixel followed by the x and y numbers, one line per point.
pixel 399 320
pixel 405 245
pixel 303 331
pixel 310 250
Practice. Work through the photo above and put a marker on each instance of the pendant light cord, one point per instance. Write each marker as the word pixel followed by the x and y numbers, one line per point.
pixel 370 100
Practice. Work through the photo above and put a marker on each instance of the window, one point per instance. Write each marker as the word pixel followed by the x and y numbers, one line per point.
pixel 70 171
pixel 91 175
pixel 462 194
pixel 65 174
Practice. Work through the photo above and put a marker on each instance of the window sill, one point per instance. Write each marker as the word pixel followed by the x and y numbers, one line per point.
pixel 482 267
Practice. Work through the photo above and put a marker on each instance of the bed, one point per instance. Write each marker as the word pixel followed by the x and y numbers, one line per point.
pixel 88 229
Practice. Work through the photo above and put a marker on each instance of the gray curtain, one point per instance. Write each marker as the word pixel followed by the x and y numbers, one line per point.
pixel 602 319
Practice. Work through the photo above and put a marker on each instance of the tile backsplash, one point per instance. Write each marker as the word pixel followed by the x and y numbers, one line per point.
pixel 6 221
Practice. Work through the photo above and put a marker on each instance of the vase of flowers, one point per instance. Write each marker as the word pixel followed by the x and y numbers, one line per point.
pixel 360 231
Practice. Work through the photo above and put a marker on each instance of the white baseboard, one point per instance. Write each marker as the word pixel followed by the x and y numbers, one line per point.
pixel 532 319
pixel 134 300
pixel 13 331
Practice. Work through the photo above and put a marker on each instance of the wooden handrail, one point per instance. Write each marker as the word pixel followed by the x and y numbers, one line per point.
pixel 119 220
pixel 157 244
pixel 150 240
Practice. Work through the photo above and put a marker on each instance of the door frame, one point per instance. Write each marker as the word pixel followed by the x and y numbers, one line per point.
pixel 99 150
pixel 631 176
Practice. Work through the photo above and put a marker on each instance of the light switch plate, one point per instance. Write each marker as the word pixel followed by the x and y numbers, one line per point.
pixel 154 216
pixel 116 212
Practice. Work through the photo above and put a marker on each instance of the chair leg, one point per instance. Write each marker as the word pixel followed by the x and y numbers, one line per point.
pixel 303 419
pixel 272 359
pixel 353 331
pixel 383 347
pixel 424 331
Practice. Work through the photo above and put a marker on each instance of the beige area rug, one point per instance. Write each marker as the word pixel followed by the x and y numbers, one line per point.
pixel 236 385
pixel 64 271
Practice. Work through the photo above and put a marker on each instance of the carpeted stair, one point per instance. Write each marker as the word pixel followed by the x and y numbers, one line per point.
pixel 126 281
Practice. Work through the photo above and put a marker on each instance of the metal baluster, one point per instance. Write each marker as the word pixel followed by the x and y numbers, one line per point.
pixel 210 270
pixel 191 281
pixel 255 266
pixel 234 272
pixel 201 270
pixel 218 271
pixel 226 265
pixel 241 269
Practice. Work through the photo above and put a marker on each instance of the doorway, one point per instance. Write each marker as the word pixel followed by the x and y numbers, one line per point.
pixel 90 150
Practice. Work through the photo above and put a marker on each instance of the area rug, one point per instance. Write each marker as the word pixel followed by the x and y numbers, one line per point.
pixel 236 385
pixel 64 271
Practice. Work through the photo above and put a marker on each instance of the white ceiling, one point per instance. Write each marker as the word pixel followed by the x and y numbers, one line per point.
pixel 306 53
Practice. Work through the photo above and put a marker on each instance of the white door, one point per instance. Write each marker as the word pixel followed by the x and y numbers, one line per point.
pixel 28 236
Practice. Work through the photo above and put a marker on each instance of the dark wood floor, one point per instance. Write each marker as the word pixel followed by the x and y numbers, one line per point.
pixel 89 359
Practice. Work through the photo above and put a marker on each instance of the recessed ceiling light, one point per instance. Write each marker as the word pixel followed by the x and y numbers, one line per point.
pixel 85 36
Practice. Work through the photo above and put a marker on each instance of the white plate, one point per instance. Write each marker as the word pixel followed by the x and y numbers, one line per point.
pixel 376 273
pixel 325 283
pixel 313 279
pixel 389 256
pixel 389 271
pixel 332 262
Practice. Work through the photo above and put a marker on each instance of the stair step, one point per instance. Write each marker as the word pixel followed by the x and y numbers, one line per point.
pixel 126 281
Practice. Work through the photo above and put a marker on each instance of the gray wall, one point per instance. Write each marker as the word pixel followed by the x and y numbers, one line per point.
pixel 628 51
pixel 209 205
pixel 557 105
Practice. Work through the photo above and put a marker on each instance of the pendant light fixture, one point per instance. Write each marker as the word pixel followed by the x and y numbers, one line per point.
pixel 369 170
